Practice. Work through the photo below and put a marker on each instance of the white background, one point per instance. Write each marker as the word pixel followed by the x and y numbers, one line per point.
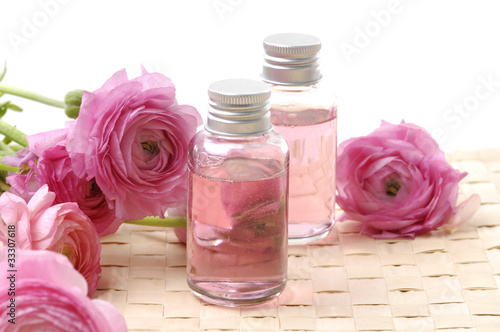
pixel 421 60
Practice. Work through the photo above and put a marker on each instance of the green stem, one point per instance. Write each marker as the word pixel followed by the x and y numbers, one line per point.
pixel 12 90
pixel 13 133
pixel 8 168
pixel 15 147
pixel 6 150
pixel 160 222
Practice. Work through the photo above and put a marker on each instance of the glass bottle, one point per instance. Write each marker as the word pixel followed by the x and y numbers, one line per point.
pixel 305 114
pixel 237 199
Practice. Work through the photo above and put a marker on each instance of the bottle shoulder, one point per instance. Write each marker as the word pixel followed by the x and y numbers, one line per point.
pixel 268 145
pixel 316 96
pixel 208 152
pixel 271 137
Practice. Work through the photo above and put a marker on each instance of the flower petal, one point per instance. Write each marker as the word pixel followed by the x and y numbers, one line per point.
pixel 463 213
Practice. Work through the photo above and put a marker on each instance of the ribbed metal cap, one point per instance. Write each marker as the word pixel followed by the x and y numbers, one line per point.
pixel 291 59
pixel 239 107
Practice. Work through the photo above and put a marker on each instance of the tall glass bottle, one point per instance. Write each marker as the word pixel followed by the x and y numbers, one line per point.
pixel 237 199
pixel 305 114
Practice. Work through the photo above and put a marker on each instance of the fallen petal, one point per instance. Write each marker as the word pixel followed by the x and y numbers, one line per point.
pixel 463 213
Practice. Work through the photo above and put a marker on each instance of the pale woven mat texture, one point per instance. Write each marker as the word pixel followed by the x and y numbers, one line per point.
pixel 347 282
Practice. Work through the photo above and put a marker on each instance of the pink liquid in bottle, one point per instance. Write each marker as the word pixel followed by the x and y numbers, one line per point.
pixel 237 243
pixel 311 137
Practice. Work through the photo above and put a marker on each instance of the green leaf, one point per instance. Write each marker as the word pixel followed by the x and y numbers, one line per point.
pixel 8 105
pixel 3 108
pixel 14 108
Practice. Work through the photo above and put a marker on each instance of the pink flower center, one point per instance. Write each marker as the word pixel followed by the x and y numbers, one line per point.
pixel 70 253
pixel 92 189
pixel 392 188
pixel 150 148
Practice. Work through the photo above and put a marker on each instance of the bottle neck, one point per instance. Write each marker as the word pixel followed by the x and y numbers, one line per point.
pixel 291 71
pixel 239 122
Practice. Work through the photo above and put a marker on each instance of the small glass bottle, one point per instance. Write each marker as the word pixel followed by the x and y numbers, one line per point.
pixel 237 199
pixel 305 114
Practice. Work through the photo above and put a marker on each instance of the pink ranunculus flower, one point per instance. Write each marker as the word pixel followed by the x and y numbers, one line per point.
pixel 50 295
pixel 62 228
pixel 49 163
pixel 181 233
pixel 179 210
pixel 22 183
pixel 397 182
pixel 132 137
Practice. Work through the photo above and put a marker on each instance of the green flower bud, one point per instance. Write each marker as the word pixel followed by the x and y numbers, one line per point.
pixel 72 102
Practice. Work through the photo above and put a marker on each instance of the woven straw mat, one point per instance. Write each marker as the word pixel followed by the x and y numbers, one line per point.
pixel 347 282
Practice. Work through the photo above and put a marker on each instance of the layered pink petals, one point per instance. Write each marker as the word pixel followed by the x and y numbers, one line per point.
pixel 22 183
pixel 49 164
pixel 62 228
pixel 396 181
pixel 132 137
pixel 50 295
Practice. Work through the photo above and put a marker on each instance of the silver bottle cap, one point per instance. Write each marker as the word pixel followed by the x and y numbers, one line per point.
pixel 239 107
pixel 291 59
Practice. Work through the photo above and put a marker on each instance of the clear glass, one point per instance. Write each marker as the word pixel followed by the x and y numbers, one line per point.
pixel 306 116
pixel 237 218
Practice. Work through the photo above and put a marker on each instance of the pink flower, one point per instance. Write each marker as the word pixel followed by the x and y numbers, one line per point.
pixel 179 210
pixel 397 182
pixel 50 164
pixel 50 295
pixel 62 228
pixel 22 183
pixel 132 137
